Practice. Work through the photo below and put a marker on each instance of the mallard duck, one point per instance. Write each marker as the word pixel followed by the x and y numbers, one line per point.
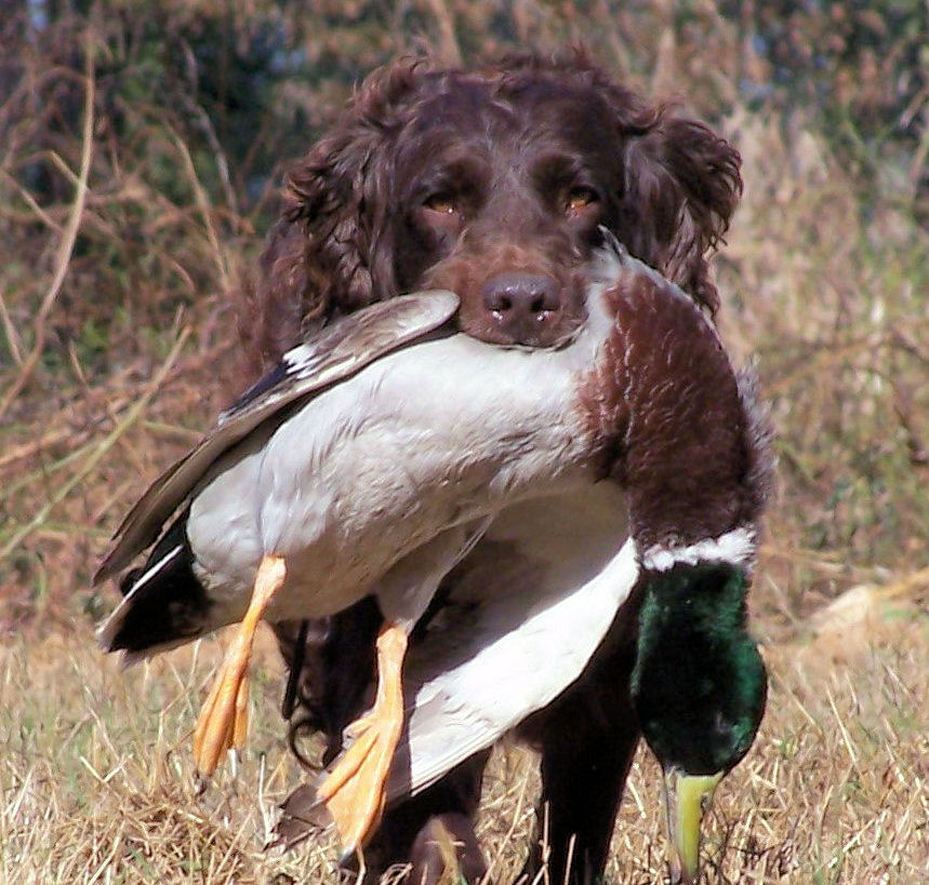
pixel 368 462
pixel 667 541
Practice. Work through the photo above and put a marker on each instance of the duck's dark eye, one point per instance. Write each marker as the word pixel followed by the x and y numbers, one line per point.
pixel 579 198
pixel 443 203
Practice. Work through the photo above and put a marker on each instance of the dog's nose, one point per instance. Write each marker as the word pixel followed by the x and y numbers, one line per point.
pixel 523 306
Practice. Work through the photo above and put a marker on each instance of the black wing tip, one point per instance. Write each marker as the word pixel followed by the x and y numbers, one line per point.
pixel 259 388
pixel 164 604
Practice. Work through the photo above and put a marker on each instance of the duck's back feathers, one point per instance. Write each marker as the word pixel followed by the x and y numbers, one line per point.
pixel 332 356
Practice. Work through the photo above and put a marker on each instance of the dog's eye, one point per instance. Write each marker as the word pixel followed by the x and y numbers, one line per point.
pixel 443 203
pixel 579 198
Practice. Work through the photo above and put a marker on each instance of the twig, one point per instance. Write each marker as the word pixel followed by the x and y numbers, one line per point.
pixel 450 50
pixel 10 330
pixel 131 417
pixel 30 201
pixel 69 431
pixel 175 432
pixel 34 446
pixel 195 109
pixel 66 246
pixel 823 355
pixel 203 206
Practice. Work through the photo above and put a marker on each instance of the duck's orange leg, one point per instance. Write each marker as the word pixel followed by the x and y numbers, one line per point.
pixel 354 791
pixel 223 721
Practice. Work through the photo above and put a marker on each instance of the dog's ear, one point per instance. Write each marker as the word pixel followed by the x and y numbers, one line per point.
pixel 328 254
pixel 682 185
pixel 272 302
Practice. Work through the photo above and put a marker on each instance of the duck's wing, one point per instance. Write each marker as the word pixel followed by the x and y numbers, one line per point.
pixel 526 613
pixel 336 353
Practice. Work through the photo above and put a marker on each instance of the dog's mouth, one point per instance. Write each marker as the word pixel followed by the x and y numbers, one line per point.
pixel 533 333
pixel 564 339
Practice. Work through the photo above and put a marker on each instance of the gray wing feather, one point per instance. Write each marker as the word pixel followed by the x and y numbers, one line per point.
pixel 491 668
pixel 335 354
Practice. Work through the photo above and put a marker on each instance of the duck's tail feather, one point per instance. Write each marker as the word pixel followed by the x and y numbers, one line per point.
pixel 164 604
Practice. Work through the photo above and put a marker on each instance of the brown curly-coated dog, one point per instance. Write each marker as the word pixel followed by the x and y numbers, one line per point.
pixel 491 182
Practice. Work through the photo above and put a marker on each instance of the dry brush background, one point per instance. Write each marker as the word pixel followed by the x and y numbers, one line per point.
pixel 140 148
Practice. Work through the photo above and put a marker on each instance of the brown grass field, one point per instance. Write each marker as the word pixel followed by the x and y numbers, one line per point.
pixel 128 214
pixel 98 785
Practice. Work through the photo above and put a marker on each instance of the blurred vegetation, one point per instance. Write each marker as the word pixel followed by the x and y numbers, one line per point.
pixel 141 146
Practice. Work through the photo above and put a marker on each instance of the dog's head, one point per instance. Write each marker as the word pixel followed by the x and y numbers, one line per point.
pixel 493 183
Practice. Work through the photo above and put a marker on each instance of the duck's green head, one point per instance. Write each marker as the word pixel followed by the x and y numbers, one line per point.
pixel 699 687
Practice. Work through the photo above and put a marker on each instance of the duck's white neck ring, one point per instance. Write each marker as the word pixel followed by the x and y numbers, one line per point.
pixel 736 547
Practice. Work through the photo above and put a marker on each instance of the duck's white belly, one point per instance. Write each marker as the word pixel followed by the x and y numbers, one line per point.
pixel 427 438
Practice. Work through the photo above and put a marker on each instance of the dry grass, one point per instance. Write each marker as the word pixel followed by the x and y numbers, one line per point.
pixel 125 219
pixel 97 783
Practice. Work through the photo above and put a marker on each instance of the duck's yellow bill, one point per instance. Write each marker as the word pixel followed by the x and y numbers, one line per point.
pixel 687 797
